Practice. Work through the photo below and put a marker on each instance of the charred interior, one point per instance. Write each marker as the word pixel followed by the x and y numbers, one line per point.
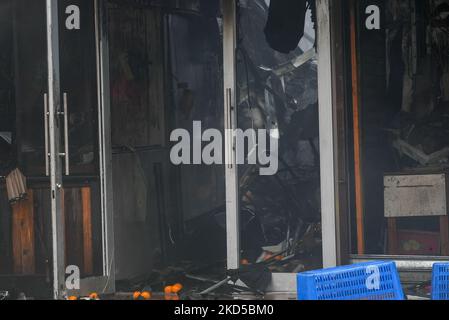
pixel 131 73
pixel 403 94
pixel 178 215
pixel 165 71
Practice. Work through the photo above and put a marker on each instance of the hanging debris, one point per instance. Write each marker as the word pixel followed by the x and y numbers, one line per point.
pixel 285 24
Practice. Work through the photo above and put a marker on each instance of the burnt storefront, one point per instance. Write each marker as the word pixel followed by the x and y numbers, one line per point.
pixel 225 145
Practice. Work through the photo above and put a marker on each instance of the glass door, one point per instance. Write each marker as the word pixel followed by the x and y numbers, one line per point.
pixel 24 144
pixel 82 185
pixel 272 142
pixel 30 156
pixel 52 209
pixel 79 135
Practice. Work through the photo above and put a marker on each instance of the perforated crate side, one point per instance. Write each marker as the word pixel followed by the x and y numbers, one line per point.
pixel 349 283
pixel 440 281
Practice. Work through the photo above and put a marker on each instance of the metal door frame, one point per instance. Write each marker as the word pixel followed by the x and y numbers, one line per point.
pixel 327 134
pixel 105 146
pixel 331 246
pixel 54 109
pixel 230 124
pixel 327 125
pixel 106 282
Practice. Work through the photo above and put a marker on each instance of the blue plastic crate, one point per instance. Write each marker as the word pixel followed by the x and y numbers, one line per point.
pixel 354 282
pixel 440 281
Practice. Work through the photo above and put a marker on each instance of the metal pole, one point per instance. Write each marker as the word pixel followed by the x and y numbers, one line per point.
pixel 327 139
pixel 104 119
pixel 230 116
pixel 54 108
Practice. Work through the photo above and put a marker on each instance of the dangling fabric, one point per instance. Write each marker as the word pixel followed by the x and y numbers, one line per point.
pixel 285 24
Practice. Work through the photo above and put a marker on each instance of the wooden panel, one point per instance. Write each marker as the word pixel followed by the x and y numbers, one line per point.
pixel 42 228
pixel 5 233
pixel 87 230
pixel 78 226
pixel 444 235
pixel 73 216
pixel 415 195
pixel 358 170
pixel 392 236
pixel 23 235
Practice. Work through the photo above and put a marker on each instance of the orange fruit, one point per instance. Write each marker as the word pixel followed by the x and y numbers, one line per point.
pixel 177 287
pixel 167 296
pixel 72 298
pixel 244 262
pixel 136 295
pixel 93 295
pixel 168 289
pixel 175 297
pixel 146 295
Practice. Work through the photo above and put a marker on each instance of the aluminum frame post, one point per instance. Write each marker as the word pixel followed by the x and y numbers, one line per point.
pixel 230 116
pixel 327 136
pixel 54 108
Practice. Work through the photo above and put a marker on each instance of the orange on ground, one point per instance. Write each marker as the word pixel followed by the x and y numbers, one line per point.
pixel 136 295
pixel 177 287
pixel 168 289
pixel 93 295
pixel 146 295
